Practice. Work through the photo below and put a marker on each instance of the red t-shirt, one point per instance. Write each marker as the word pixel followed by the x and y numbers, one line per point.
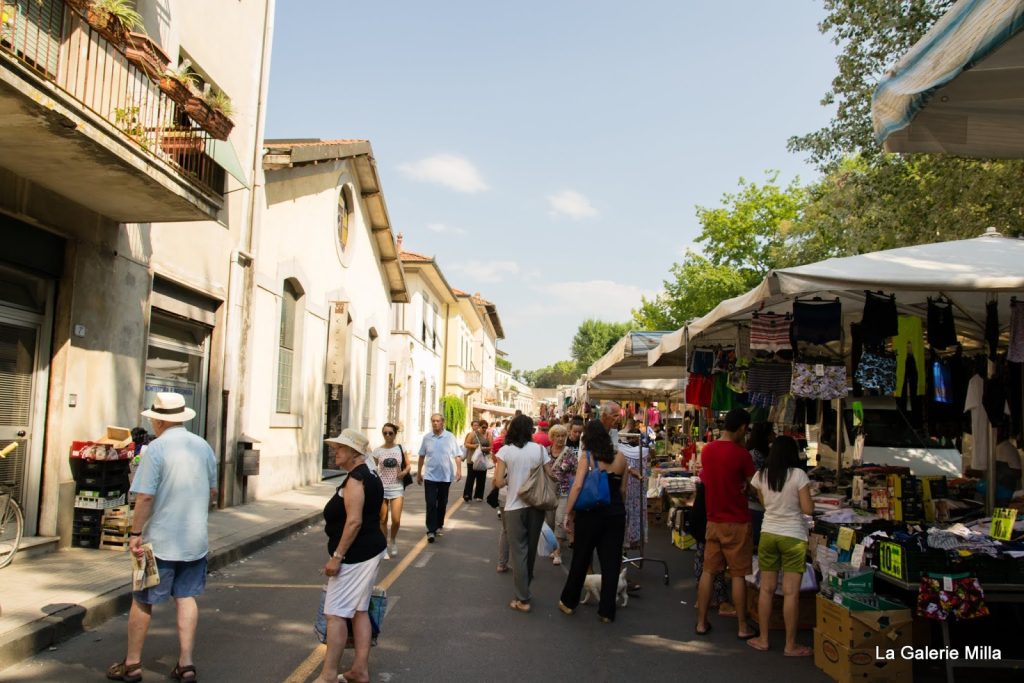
pixel 725 469
pixel 542 438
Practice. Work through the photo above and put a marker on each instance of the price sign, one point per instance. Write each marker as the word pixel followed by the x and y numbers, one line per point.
pixel 1002 523
pixel 858 556
pixel 846 538
pixel 891 559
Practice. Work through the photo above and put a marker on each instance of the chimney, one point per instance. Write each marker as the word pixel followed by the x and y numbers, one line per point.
pixel 398 242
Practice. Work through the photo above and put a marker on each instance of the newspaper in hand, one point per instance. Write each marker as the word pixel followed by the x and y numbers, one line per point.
pixel 144 570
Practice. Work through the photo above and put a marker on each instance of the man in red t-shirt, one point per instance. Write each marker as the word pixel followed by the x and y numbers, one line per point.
pixel 726 469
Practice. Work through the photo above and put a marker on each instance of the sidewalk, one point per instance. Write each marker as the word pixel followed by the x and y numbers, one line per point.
pixel 50 598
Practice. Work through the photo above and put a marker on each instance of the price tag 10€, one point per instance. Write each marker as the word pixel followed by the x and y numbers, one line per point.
pixel 1002 523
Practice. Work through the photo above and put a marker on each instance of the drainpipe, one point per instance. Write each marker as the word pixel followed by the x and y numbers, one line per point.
pixel 240 291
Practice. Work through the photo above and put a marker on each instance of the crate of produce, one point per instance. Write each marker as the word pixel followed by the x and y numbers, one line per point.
pixel 99 503
pixel 90 468
pixel 86 540
pixel 88 516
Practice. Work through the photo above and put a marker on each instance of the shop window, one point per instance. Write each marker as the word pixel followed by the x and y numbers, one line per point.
pixel 177 359
pixel 288 336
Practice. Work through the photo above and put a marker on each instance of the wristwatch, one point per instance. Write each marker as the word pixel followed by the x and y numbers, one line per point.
pixel 134 533
pixel 336 556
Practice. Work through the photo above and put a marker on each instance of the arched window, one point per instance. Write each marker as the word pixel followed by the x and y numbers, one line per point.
pixel 344 216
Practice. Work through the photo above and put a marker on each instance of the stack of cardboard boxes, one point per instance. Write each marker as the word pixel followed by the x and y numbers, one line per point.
pixel 857 630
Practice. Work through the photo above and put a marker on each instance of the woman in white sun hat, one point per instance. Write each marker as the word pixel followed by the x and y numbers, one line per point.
pixel 357 546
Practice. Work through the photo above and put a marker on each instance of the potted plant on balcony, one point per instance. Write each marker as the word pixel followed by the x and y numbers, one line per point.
pixel 113 19
pixel 147 55
pixel 177 83
pixel 198 110
pixel 182 142
pixel 219 123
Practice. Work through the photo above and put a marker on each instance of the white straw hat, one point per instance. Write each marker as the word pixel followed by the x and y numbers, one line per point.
pixel 169 407
pixel 353 438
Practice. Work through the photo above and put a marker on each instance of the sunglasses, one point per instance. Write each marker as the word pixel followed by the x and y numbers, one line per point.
pixel 388 433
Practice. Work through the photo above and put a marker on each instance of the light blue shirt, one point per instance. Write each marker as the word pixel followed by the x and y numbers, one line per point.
pixel 437 452
pixel 178 469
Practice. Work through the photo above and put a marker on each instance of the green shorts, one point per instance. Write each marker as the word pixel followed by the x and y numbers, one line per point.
pixel 781 553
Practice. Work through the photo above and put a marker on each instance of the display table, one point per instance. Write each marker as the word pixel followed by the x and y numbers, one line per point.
pixel 994 593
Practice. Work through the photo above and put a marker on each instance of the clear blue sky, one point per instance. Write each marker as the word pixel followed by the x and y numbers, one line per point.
pixel 550 154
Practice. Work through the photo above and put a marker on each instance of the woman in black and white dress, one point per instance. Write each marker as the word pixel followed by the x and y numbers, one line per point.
pixel 392 466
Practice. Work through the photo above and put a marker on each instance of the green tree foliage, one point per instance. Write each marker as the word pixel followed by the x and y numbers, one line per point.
pixel 503 364
pixel 593 339
pixel 871 35
pixel 741 241
pixel 549 377
pixel 454 410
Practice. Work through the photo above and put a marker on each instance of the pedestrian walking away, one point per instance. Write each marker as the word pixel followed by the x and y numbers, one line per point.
pixel 478 461
pixel 175 485
pixel 518 457
pixel 436 471
pixel 726 469
pixel 392 466
pixel 602 528
pixel 356 545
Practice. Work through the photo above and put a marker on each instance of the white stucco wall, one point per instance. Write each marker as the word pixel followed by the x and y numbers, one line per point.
pixel 298 239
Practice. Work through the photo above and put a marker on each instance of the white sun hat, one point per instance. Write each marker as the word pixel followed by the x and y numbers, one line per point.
pixel 353 438
pixel 169 407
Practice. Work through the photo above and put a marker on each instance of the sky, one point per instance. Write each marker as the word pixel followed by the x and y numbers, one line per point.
pixel 550 154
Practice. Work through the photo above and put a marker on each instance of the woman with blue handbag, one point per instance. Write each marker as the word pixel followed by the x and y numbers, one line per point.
pixel 596 518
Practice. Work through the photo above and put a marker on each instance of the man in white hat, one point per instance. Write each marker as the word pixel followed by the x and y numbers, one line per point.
pixel 175 485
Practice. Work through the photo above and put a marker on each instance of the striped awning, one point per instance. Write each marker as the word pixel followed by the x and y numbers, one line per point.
pixel 960 89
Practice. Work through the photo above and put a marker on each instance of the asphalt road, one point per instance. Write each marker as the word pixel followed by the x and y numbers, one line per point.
pixel 448 620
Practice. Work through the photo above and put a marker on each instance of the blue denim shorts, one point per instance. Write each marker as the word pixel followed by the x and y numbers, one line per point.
pixel 177 579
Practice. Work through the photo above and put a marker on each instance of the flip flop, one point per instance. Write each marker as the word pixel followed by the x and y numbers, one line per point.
pixel 520 606
pixel 801 651
pixel 759 648
pixel 707 629
pixel 755 634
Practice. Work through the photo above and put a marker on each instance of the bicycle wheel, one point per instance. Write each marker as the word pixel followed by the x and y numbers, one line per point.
pixel 11 528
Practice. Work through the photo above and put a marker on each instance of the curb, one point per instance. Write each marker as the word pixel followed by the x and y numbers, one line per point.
pixel 71 620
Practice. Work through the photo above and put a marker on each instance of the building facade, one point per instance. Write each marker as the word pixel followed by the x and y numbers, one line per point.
pixel 125 215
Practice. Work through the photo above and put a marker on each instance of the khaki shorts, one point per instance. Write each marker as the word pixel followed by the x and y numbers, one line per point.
pixel 781 553
pixel 729 545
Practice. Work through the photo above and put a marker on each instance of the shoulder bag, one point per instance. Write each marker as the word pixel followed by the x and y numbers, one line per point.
pixel 539 490
pixel 595 491
pixel 407 479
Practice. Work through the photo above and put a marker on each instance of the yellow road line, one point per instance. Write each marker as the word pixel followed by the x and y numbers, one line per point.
pixel 311 663
pixel 271 585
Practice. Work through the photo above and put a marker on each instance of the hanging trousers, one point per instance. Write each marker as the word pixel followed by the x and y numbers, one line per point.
pixel 911 335
pixel 596 530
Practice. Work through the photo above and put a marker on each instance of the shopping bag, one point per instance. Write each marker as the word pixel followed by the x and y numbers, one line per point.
pixel 320 622
pixel 145 573
pixel 595 491
pixel 539 490
pixel 378 610
pixel 547 543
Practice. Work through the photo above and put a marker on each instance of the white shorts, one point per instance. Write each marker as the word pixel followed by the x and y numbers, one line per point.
pixel 349 591
pixel 391 494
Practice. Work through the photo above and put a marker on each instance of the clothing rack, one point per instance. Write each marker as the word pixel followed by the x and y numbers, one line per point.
pixel 638 562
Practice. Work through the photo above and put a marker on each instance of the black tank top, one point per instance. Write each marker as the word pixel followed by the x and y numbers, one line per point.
pixel 370 541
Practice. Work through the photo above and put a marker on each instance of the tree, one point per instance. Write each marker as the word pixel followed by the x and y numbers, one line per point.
pixel 871 35
pixel 549 377
pixel 741 240
pixel 593 339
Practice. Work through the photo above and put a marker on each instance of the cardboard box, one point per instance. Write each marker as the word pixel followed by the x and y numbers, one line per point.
pixel 853 623
pixel 118 437
pixel 655 504
pixel 845 664
pixel 805 611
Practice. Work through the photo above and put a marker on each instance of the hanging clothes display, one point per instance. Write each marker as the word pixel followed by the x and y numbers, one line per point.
pixel 910 335
pixel 941 328
pixel 723 398
pixel 1015 353
pixel 992 328
pixel 979 422
pixel 877 371
pixel 703 362
pixel 815 380
pixel 816 322
pixel 699 389
pixel 880 319
pixel 653 416
pixel 942 381
pixel 769 378
pixel 770 332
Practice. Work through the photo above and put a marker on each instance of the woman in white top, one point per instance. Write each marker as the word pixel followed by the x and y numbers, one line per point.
pixel 784 490
pixel 513 464
pixel 392 466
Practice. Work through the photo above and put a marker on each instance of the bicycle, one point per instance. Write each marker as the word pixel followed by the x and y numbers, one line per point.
pixel 12 522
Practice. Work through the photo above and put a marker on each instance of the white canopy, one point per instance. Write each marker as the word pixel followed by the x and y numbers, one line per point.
pixel 968 272
pixel 623 372
pixel 958 90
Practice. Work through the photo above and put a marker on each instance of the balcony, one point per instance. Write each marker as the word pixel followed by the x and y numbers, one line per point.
pixel 467 379
pixel 78 118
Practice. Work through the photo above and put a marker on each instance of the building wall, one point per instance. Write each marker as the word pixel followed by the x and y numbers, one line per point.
pixel 298 240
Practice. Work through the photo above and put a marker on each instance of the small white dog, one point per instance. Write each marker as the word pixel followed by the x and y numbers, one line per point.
pixel 592 588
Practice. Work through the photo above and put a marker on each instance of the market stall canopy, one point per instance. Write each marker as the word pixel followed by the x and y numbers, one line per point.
pixel 623 372
pixel 960 89
pixel 968 272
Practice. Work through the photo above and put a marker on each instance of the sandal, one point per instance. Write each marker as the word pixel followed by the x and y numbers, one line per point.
pixel 800 651
pixel 502 569
pixel 707 629
pixel 757 646
pixel 748 636
pixel 121 671
pixel 181 673
pixel 520 606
